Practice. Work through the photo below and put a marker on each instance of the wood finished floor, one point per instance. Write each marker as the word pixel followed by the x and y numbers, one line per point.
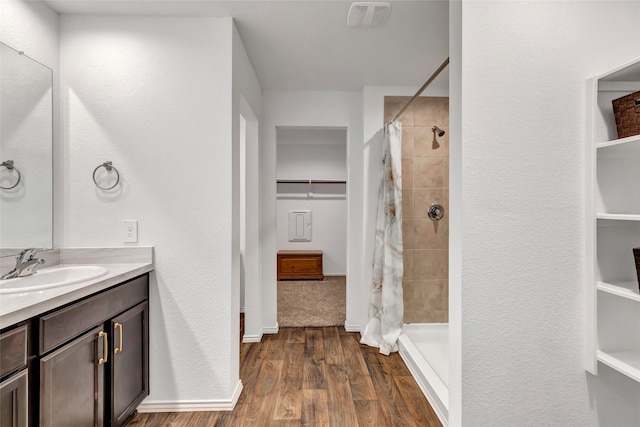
pixel 314 377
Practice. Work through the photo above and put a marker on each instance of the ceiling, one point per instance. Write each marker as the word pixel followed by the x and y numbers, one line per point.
pixel 306 44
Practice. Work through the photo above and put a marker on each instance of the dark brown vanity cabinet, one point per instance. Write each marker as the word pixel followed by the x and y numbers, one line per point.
pixel 72 382
pixel 14 377
pixel 129 366
pixel 89 364
pixel 100 373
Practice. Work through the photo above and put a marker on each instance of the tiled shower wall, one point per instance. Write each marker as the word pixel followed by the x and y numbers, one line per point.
pixel 425 180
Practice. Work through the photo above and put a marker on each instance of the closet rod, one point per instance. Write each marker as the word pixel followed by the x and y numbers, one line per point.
pixel 311 181
pixel 424 86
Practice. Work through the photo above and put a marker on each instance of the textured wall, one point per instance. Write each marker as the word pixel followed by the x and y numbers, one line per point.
pixel 154 95
pixel 524 71
pixel 425 180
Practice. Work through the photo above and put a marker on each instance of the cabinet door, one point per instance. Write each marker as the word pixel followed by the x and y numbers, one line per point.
pixel 14 400
pixel 129 362
pixel 72 382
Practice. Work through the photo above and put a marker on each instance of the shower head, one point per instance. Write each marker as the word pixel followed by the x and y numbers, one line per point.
pixel 435 129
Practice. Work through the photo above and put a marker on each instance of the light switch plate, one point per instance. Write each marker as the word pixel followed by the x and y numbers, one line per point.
pixel 131 231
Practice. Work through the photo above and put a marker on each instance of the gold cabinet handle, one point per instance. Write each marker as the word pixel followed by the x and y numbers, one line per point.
pixel 105 347
pixel 118 349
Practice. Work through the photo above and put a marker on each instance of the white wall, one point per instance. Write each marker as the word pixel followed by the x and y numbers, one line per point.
pixel 32 27
pixel 455 214
pixel 312 161
pixel 310 109
pixel 154 95
pixel 247 102
pixel 525 66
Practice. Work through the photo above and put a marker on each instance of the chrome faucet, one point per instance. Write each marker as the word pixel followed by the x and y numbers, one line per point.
pixel 26 264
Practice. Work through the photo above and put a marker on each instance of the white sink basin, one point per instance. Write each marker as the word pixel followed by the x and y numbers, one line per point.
pixel 52 277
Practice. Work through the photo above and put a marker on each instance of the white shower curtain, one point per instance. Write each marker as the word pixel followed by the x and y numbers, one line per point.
pixel 386 308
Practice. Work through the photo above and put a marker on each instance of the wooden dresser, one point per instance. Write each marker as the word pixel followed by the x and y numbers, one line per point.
pixel 300 265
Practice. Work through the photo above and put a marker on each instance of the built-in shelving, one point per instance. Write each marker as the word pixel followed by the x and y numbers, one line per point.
pixel 625 362
pixel 618 217
pixel 630 143
pixel 612 229
pixel 627 290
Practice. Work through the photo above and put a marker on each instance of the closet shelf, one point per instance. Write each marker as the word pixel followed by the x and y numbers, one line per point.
pixel 618 217
pixel 628 290
pixel 625 362
pixel 626 142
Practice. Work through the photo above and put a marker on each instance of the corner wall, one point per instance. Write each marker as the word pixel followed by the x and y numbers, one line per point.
pixel 525 66
pixel 247 102
pixel 154 95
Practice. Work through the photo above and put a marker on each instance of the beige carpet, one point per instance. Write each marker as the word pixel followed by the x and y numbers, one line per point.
pixel 312 303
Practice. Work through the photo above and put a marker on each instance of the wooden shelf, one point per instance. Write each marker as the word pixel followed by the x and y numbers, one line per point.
pixel 625 362
pixel 628 290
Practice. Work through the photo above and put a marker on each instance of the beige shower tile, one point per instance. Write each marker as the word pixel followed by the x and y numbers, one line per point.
pixel 407 203
pixel 445 294
pixel 429 111
pixel 407 172
pixel 440 316
pixel 408 264
pixel 428 234
pixel 413 316
pixel 424 197
pixel 445 177
pixel 427 144
pixel 408 233
pixel 446 202
pixel 429 293
pixel 393 104
pixel 408 139
pixel 430 264
pixel 428 172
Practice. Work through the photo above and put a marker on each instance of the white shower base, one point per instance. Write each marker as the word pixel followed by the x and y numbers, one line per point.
pixel 424 347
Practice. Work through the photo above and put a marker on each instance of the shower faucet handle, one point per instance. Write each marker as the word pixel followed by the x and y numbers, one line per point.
pixel 435 212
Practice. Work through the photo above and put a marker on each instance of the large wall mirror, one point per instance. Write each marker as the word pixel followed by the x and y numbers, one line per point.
pixel 26 150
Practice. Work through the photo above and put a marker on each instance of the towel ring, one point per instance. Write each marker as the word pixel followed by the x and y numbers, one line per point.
pixel 9 165
pixel 109 167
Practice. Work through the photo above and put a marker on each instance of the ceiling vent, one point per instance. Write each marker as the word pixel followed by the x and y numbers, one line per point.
pixel 368 14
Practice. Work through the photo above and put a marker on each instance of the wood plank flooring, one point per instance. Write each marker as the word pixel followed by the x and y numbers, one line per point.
pixel 314 377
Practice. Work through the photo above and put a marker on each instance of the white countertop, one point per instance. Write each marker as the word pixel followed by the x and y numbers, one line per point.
pixel 16 307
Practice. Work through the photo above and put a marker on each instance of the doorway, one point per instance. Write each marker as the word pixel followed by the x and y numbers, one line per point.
pixel 311 225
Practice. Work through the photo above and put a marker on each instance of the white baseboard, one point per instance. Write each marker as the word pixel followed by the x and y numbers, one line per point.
pixel 252 338
pixel 271 329
pixel 352 328
pixel 193 405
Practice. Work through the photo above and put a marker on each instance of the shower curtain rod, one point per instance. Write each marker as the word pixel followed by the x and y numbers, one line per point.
pixel 424 86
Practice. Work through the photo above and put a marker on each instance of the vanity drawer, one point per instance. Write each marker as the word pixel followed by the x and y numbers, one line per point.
pixel 13 350
pixel 66 323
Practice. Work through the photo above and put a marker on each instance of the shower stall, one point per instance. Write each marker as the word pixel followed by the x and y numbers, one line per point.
pixel 424 343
